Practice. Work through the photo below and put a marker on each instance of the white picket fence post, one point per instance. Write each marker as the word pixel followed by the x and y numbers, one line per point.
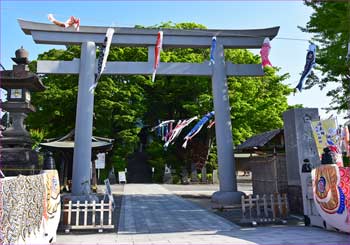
pixel 88 212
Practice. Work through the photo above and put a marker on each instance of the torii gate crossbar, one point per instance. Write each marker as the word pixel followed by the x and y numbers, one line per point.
pixel 89 36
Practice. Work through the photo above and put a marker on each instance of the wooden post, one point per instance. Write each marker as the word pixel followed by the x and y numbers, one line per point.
pixel 258 213
pixel 101 209
pixel 94 213
pixel 243 207
pixel 69 212
pixel 94 179
pixel 65 213
pixel 250 207
pixel 77 213
pixel 110 210
pixel 279 205
pixel 273 207
pixel 285 205
pixel 85 213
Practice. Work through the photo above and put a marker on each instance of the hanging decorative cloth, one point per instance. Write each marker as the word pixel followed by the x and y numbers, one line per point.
pixel 195 130
pixel 177 130
pixel 157 49
pixel 211 124
pixel 310 63
pixel 348 55
pixel 72 21
pixel 264 52
pixel 162 124
pixel 212 51
pixel 170 130
pixel 102 58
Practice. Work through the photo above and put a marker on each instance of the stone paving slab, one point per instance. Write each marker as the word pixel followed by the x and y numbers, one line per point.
pixel 153 215
pixel 153 209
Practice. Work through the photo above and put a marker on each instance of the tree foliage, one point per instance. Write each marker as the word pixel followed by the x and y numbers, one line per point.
pixel 122 101
pixel 330 26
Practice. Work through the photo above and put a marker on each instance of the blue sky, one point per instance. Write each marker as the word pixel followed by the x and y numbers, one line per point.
pixel 289 55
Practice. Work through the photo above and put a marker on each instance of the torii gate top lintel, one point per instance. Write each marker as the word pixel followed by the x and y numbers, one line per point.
pixel 52 34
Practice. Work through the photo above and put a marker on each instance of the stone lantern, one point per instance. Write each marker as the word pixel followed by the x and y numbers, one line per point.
pixel 16 154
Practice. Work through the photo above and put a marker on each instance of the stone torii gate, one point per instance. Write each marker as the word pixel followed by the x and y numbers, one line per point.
pixel 86 67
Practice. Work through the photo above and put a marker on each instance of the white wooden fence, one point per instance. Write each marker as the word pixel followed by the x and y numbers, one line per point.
pixel 264 209
pixel 87 215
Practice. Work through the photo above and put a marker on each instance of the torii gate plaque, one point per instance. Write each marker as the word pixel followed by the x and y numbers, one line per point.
pixel 89 36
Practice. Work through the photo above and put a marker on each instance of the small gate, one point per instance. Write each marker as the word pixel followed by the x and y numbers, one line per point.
pixel 87 215
pixel 263 209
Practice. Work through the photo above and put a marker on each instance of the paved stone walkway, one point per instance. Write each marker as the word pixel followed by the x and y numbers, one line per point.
pixel 151 214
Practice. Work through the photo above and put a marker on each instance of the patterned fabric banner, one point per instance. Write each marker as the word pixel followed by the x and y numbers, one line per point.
pixel 27 204
pixel 102 58
pixel 325 134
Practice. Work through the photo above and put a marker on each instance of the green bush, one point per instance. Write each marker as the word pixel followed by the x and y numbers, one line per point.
pixel 118 163
pixel 210 178
pixel 156 160
pixel 37 136
pixel 176 179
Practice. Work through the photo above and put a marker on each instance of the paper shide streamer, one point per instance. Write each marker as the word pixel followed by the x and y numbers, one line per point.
pixel 102 58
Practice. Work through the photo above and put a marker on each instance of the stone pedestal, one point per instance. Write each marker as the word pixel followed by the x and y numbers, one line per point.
pixel 227 197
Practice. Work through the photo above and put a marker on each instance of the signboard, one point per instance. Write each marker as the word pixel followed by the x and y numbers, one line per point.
pixel 108 191
pixel 121 177
pixel 100 162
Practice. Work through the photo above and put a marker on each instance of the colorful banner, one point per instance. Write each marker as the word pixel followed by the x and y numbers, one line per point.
pixel 325 134
pixel 29 208
pixel 331 195
pixel 102 58
pixel 310 63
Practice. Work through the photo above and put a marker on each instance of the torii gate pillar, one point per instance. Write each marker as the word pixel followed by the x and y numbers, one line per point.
pixel 223 130
pixel 84 114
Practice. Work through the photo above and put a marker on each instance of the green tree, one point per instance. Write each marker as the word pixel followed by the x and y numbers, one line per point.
pixel 118 103
pixel 330 25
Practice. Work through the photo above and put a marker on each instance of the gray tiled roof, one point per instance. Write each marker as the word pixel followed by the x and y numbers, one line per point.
pixel 259 140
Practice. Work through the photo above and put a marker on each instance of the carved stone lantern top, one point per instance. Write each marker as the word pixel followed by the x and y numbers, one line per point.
pixel 21 56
